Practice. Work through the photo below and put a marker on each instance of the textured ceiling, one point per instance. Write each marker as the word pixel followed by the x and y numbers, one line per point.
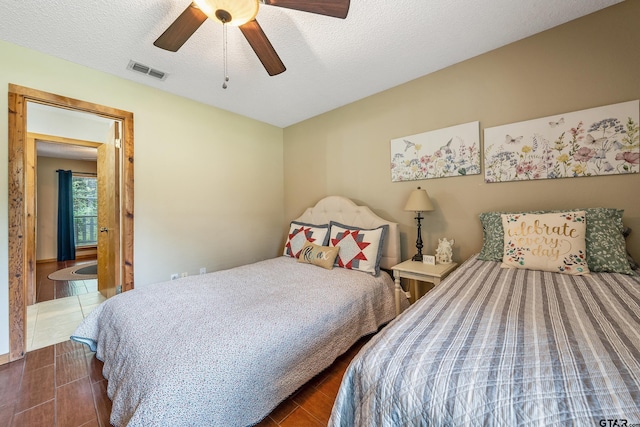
pixel 330 62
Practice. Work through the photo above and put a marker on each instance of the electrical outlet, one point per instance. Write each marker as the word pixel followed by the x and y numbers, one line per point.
pixel 203 270
pixel 185 274
pixel 174 276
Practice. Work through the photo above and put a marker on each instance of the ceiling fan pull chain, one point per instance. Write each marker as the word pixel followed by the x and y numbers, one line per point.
pixel 224 53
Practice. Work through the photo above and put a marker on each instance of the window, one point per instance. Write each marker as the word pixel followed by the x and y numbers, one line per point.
pixel 85 209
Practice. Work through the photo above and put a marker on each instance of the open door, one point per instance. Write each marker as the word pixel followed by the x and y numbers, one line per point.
pixel 18 99
pixel 108 217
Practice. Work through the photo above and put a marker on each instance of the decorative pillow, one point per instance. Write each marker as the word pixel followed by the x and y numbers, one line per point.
pixel 549 242
pixel 322 256
pixel 492 236
pixel 606 248
pixel 300 233
pixel 360 248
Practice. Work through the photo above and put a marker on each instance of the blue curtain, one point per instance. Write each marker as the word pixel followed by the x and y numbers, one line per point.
pixel 66 229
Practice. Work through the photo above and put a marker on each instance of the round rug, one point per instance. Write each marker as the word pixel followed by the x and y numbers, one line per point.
pixel 77 272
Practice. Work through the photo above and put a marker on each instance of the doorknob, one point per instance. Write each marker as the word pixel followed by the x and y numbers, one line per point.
pixel 103 229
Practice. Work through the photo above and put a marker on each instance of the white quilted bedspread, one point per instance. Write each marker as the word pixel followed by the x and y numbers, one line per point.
pixel 225 348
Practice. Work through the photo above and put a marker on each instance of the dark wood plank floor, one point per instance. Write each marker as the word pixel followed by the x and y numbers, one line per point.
pixel 62 386
pixel 59 385
pixel 47 289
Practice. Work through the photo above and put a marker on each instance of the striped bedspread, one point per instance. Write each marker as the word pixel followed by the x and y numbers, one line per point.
pixel 499 347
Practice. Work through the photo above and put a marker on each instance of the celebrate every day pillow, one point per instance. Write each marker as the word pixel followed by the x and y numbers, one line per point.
pixel 606 249
pixel 548 242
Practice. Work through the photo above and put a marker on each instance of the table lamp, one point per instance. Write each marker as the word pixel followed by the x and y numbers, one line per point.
pixel 418 202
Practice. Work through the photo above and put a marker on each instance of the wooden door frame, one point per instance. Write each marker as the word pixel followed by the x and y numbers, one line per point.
pixel 19 216
pixel 31 169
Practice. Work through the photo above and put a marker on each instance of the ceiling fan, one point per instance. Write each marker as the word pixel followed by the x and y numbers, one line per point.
pixel 242 13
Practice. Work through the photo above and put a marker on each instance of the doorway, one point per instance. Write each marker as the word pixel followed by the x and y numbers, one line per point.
pixel 22 202
pixel 65 288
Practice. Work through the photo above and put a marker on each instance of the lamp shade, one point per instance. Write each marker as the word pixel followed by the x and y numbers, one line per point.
pixel 419 201
pixel 235 12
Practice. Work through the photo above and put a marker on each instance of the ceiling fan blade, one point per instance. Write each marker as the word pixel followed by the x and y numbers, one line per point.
pixel 334 8
pixel 181 29
pixel 262 47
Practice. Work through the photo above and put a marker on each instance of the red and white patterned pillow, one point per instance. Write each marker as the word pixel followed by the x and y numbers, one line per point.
pixel 300 233
pixel 360 249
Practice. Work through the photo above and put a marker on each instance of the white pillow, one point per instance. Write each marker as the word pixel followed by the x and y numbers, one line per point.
pixel 301 233
pixel 548 242
pixel 360 248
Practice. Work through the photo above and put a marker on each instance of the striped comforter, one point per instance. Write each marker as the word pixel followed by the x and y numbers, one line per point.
pixel 500 347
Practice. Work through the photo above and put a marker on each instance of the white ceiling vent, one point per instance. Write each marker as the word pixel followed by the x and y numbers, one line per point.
pixel 141 68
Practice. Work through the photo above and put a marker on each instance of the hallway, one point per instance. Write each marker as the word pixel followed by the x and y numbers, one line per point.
pixel 61 305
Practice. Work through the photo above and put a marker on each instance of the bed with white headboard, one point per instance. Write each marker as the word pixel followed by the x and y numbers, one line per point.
pixel 235 343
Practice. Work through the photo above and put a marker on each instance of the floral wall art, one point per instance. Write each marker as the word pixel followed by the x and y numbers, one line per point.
pixel 452 151
pixel 598 141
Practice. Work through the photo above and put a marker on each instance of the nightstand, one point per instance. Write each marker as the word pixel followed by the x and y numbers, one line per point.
pixel 419 271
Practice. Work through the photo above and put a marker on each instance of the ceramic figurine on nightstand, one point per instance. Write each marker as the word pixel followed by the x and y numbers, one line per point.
pixel 444 252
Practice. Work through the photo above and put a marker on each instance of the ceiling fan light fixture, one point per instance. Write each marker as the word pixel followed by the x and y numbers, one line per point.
pixel 231 12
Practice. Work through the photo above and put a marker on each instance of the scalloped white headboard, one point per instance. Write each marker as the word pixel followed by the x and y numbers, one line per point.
pixel 345 211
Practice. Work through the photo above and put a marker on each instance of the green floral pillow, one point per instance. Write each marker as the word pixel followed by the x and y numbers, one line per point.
pixel 492 236
pixel 606 248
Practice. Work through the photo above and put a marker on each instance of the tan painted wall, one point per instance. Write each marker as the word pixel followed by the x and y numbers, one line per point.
pixel 47 201
pixel 586 63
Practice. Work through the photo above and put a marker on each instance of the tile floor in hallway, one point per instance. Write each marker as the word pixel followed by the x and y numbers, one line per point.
pixel 53 321
pixel 60 304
